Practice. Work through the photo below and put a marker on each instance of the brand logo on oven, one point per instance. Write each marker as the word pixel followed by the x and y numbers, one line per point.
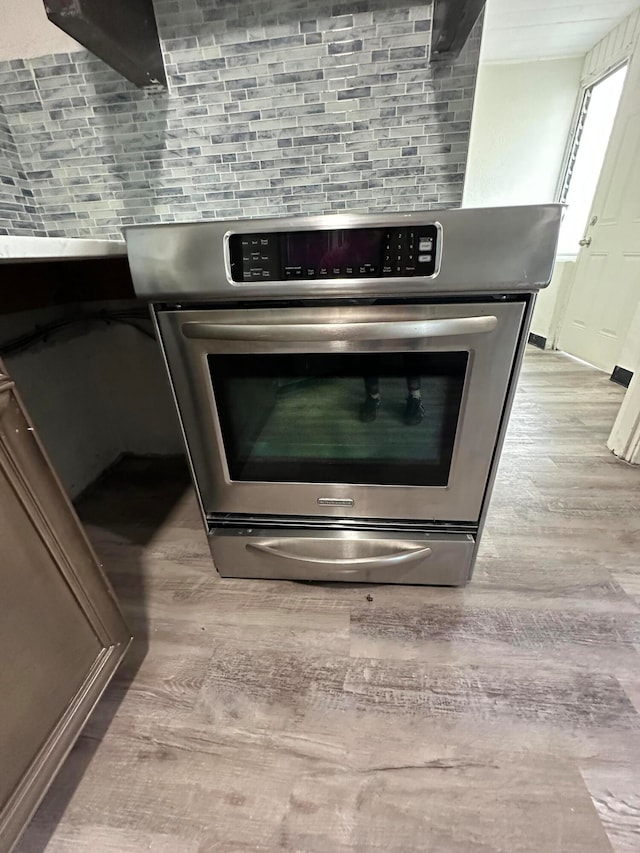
pixel 335 501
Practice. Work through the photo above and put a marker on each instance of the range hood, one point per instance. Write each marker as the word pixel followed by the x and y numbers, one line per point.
pixel 123 33
pixel 453 20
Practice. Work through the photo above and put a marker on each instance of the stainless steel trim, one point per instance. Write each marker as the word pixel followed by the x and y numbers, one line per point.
pixel 504 423
pixel 439 248
pixel 405 554
pixel 402 330
pixel 227 255
pixel 489 250
pixel 232 521
pixel 165 361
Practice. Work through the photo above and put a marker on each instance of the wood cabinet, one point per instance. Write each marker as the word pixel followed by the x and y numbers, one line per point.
pixel 62 635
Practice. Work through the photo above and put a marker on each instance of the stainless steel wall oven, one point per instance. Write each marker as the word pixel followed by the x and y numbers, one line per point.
pixel 344 382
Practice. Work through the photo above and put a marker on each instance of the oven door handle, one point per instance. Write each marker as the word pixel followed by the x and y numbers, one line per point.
pixel 403 554
pixel 391 330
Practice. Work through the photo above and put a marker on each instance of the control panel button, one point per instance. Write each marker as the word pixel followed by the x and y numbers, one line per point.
pixel 424 259
pixel 254 257
pixel 368 270
pixel 309 272
pixel 425 244
pixel 293 272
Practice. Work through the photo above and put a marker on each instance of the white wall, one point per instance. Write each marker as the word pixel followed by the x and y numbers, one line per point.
pixel 93 394
pixel 25 31
pixel 552 300
pixel 521 119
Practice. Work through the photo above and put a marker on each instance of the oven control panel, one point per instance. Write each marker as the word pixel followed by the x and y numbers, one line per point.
pixel 335 254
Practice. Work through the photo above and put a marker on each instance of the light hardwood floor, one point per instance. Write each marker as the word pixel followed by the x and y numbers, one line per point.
pixel 264 715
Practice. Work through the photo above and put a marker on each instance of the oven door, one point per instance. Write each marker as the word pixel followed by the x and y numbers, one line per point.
pixel 271 402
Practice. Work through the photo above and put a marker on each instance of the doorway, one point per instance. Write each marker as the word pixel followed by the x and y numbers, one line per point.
pixel 604 297
pixel 589 146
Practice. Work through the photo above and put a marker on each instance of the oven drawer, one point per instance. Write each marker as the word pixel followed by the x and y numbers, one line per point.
pixel 338 555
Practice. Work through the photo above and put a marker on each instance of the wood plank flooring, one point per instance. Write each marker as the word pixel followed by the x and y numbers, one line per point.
pixel 260 715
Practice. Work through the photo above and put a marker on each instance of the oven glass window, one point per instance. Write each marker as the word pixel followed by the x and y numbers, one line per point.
pixel 362 418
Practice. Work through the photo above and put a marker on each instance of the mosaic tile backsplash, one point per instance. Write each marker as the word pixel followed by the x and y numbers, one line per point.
pixel 18 213
pixel 273 108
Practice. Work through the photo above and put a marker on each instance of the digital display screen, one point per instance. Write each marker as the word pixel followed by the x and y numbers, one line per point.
pixel 333 249
pixel 335 253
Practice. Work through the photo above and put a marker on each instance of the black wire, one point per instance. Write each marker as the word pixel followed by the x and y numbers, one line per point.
pixel 48 330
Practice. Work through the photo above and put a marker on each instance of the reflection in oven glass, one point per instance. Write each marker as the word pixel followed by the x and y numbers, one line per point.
pixel 299 418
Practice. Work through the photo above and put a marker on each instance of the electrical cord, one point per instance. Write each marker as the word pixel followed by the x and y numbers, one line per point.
pixel 49 330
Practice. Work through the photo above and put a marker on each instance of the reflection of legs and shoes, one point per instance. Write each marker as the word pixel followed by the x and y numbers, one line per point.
pixel 369 408
pixel 414 410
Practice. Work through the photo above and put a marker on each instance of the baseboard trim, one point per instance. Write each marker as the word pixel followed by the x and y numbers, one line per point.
pixel 621 376
pixel 537 340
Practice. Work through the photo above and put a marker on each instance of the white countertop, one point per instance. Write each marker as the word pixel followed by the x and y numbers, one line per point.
pixel 14 249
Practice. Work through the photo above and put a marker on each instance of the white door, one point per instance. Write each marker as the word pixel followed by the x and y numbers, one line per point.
pixel 606 288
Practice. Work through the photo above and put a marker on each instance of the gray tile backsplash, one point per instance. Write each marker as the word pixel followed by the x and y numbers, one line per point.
pixel 18 212
pixel 273 108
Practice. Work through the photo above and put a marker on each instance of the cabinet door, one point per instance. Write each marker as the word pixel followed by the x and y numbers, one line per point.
pixel 61 632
